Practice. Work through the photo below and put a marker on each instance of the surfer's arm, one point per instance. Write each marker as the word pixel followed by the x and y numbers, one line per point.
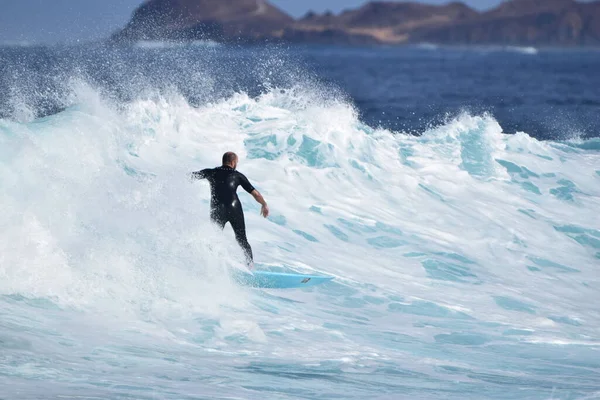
pixel 264 211
pixel 199 174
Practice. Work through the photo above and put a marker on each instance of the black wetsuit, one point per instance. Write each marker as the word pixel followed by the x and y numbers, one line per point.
pixel 225 205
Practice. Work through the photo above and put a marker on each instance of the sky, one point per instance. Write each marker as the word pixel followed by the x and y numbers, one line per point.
pixel 55 21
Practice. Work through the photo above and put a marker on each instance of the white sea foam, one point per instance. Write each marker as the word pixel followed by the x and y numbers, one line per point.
pixel 450 249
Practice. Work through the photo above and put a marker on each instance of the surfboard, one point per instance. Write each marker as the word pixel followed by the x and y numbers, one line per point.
pixel 278 280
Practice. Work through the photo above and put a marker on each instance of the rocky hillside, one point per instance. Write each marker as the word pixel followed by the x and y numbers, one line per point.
pixel 387 22
pixel 204 19
pixel 514 22
pixel 524 22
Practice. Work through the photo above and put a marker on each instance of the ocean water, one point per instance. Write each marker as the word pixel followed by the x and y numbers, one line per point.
pixel 462 230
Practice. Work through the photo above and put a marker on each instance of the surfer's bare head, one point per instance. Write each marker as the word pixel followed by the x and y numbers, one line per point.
pixel 230 159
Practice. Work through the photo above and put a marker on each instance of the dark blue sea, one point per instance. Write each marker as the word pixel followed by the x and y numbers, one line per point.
pixel 452 193
pixel 548 93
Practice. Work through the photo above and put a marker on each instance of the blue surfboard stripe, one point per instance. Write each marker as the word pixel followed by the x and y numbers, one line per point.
pixel 278 280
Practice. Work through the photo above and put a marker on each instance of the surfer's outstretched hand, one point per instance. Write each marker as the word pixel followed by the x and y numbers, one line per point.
pixel 264 211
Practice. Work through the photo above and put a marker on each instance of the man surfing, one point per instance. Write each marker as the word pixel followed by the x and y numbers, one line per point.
pixel 225 205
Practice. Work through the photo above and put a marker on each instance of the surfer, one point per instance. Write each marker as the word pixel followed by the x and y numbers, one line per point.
pixel 225 205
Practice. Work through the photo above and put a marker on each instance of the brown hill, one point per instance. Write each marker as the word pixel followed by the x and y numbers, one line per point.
pixel 514 22
pixel 524 22
pixel 204 19
pixel 379 14
pixel 387 22
pixel 519 8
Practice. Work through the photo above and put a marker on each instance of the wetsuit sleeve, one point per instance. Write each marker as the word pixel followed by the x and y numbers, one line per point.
pixel 201 174
pixel 245 183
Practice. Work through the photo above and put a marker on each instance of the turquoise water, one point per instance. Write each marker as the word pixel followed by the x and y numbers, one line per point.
pixel 466 260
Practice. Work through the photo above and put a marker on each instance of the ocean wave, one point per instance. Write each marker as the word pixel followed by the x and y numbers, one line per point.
pixel 446 246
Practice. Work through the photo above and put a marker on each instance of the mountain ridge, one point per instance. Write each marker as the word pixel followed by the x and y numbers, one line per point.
pixel 513 22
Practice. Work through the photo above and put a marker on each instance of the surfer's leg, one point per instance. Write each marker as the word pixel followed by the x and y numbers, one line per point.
pixel 218 216
pixel 239 228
